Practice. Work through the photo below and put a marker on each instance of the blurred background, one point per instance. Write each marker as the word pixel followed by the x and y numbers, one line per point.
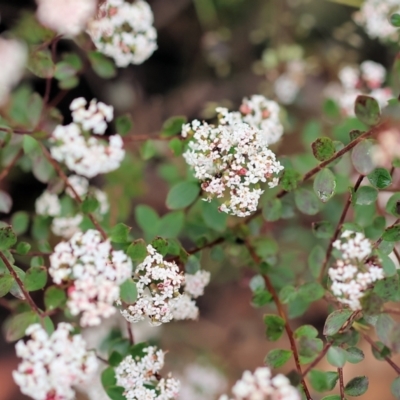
pixel 215 52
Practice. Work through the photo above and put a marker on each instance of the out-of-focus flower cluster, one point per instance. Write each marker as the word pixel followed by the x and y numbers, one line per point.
pixel 52 365
pixel 159 285
pixel 82 152
pixel 13 57
pixel 262 386
pixel 49 204
pixel 353 273
pixel 67 17
pixel 201 382
pixel 374 16
pixel 233 156
pixel 140 378
pixel 367 79
pixel 95 273
pixel 124 31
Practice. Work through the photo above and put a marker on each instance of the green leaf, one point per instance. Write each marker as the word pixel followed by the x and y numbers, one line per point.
pixel 20 222
pixel 103 66
pixel 361 157
pixel 311 291
pixel 171 224
pixel 395 20
pixel 16 326
pixel 316 260
pixel 357 386
pixel 137 250
pixel 278 357
pixel 213 218
pixel 6 282
pixel 5 202
pixel 395 386
pixel 335 321
pixel 366 195
pixel 272 210
pixel 147 150
pixel 30 144
pixel 306 330
pixel 7 238
pixel 108 378
pixel 192 265
pixel 176 146
pixel 336 356
pixel 323 148
pixel 89 205
pixel 119 233
pixel 173 126
pixel 323 381
pixel 182 195
pixel 41 64
pixel 309 348
pixel 115 359
pixel 382 351
pixel 332 397
pixel 323 229
pixel 128 292
pixel 54 297
pixel 287 294
pixel 147 219
pixel 290 179
pixel 42 170
pixel 393 205
pixel 354 355
pixel 35 278
pixel 123 124
pixel 325 184
pixel 306 201
pixel 380 178
pixel 392 234
pixel 161 245
pixel 367 110
pixel 388 289
pixel 275 326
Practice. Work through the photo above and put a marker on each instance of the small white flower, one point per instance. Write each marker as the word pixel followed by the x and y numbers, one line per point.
pixel 48 204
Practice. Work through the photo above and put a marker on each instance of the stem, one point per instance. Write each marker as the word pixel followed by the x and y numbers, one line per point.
pixel 283 315
pixel 379 241
pixel 339 227
pixel 387 359
pixel 142 138
pixel 341 383
pixel 130 333
pixel 318 359
pixel 21 285
pixel 8 168
pixel 64 177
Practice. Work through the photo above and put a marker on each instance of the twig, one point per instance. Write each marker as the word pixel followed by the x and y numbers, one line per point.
pixel 130 333
pixel 28 297
pixel 318 359
pixel 8 168
pixel 387 358
pixel 339 227
pixel 341 383
pixel 283 315
pixel 64 178
pixel 142 138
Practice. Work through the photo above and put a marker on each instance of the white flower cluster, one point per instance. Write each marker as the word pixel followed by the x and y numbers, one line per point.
pixel 159 285
pixel 13 57
pixel 52 365
pixel 261 386
pixel 124 31
pixel 83 153
pixel 49 204
pixel 374 16
pixel 368 80
pixel 95 272
pixel 353 273
pixel 140 377
pixel 201 382
pixel 67 17
pixel 287 86
pixel 234 156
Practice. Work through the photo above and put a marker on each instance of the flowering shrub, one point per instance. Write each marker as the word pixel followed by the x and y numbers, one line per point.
pixel 91 279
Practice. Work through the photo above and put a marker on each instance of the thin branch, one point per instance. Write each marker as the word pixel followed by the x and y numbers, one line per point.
pixel 28 297
pixel 379 241
pixel 64 178
pixel 387 358
pixel 283 315
pixel 130 333
pixel 318 359
pixel 8 168
pixel 143 138
pixel 341 384
pixel 339 227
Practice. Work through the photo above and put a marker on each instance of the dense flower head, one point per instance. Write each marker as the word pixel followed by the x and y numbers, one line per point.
pixel 139 377
pixel 66 17
pixel 374 16
pixel 232 158
pixel 13 57
pixel 368 79
pixel 195 283
pixel 48 204
pixel 82 152
pixel 355 271
pixel 94 271
pixel 52 364
pixel 260 385
pixel 124 31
